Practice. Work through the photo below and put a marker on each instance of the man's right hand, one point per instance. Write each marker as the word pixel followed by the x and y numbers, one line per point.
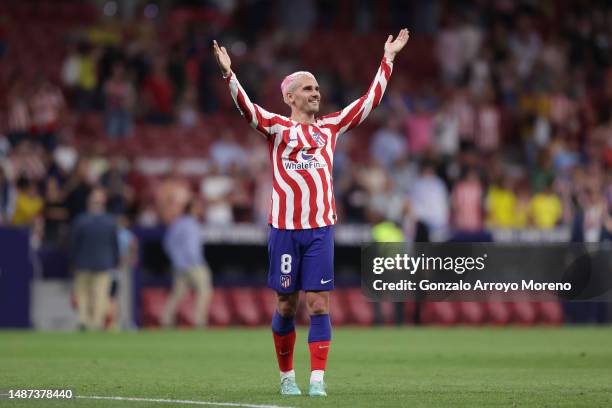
pixel 223 59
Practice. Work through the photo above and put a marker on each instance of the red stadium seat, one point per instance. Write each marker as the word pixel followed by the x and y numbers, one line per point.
pixel 244 306
pixel 337 308
pixel 152 305
pixel 219 312
pixel 388 312
pixel 185 312
pixel 498 313
pixel 470 313
pixel 409 312
pixel 549 313
pixel 439 313
pixel 523 313
pixel 360 310
pixel 267 303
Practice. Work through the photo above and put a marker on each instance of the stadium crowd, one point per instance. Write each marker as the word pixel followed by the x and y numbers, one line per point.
pixel 507 124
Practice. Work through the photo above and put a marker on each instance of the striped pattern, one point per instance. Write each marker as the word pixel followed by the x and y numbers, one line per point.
pixel 302 155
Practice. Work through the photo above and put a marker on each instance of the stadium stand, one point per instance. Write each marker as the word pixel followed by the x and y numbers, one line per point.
pixel 487 92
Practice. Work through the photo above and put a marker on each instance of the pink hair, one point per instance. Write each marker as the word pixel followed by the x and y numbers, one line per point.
pixel 290 79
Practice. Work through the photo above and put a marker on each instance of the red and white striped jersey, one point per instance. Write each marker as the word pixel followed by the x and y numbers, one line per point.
pixel 302 155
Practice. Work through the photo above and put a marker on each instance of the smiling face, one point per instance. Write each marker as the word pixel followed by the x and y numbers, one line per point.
pixel 303 94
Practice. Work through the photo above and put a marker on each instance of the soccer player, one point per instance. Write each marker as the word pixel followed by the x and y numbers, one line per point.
pixel 303 213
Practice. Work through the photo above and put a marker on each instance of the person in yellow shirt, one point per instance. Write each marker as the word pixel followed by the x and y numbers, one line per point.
pixel 500 203
pixel 28 203
pixel 520 211
pixel 545 209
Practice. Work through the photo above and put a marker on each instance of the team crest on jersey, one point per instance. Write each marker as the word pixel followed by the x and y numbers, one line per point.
pixel 318 138
pixel 285 281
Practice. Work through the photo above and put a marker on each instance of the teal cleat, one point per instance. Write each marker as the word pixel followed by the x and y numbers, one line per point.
pixel 317 389
pixel 289 387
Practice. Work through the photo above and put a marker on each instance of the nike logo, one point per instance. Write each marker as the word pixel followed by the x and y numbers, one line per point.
pixel 323 282
pixel 323 347
pixel 283 353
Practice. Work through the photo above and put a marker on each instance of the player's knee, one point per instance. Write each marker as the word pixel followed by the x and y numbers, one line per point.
pixel 318 306
pixel 286 309
pixel 286 306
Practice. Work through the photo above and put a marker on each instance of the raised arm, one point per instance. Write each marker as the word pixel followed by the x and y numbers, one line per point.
pixel 356 112
pixel 258 118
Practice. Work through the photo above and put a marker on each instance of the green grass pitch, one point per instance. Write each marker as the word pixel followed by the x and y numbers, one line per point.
pixel 409 367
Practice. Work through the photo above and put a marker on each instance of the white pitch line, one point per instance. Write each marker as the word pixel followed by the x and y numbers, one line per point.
pixel 188 402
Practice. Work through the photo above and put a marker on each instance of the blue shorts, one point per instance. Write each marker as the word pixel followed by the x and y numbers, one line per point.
pixel 301 259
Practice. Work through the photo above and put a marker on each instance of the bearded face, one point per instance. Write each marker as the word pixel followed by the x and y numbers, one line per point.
pixel 304 95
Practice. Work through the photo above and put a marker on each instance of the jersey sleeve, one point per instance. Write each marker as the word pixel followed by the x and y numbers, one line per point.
pixel 355 113
pixel 259 118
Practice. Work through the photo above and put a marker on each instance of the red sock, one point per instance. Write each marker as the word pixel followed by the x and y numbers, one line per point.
pixel 284 350
pixel 318 354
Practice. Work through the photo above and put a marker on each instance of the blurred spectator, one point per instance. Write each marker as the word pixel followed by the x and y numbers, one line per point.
pixel 590 223
pixel 466 203
pixel 26 160
pixel 419 127
pixel 55 214
pixel 429 198
pixel 216 189
pixel 487 123
pixel 226 152
pixel 522 209
pixel 172 194
pixel 187 112
pixel 545 208
pixel 119 99
pixel 525 45
pixel 18 113
pixel 388 144
pixel 183 244
pixel 28 203
pixel 449 50
pixel 77 189
pixel 94 254
pixel 501 204
pixel 120 308
pixel 373 177
pixel 404 172
pixel 88 78
pixel 354 198
pixel 262 194
pixel 46 104
pixel 114 181
pixel 7 198
pixel 5 146
pixel 446 130
pixel 544 173
pixel 241 196
pixel 71 67
pixel 158 95
pixel 388 203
